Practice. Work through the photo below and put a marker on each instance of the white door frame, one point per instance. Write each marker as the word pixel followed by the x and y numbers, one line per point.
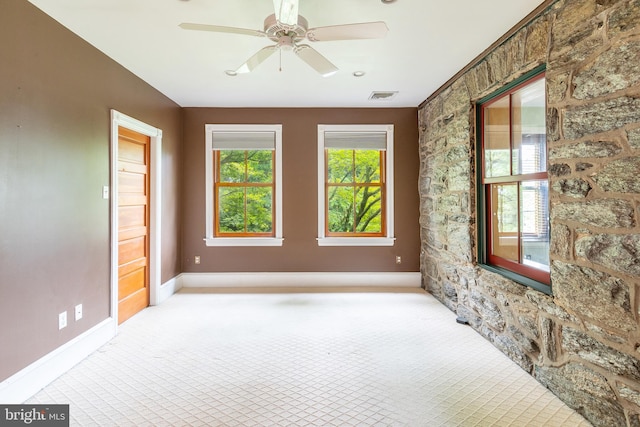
pixel 155 199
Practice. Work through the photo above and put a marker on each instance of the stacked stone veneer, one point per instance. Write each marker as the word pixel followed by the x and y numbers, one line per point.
pixel 583 342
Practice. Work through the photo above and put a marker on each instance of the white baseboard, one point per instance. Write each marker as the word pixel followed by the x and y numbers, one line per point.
pixel 301 279
pixel 27 382
pixel 167 289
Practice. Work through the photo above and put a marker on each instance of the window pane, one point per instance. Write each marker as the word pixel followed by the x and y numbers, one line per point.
pixel 529 128
pixel 340 166
pixel 260 166
pixel 368 210
pixel 534 223
pixel 504 204
pixel 232 164
pixel 496 139
pixel 534 154
pixel 367 166
pixel 231 209
pixel 259 212
pixel 340 215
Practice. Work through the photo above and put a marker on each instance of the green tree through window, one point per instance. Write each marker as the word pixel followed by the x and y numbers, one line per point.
pixel 244 190
pixel 355 192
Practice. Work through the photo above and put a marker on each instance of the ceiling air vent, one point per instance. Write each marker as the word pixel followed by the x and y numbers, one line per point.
pixel 383 95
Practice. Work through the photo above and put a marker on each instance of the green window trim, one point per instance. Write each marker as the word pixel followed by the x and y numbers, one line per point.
pixel 483 252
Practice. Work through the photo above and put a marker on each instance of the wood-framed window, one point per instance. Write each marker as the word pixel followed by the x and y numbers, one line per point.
pixel 513 189
pixel 355 192
pixel 244 180
pixel 244 188
pixel 355 185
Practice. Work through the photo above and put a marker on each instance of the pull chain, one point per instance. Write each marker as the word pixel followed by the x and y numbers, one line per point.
pixel 280 50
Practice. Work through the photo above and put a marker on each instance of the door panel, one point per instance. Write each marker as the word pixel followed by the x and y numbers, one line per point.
pixel 132 216
pixel 132 282
pixel 132 151
pixel 131 181
pixel 132 249
pixel 133 223
pixel 130 267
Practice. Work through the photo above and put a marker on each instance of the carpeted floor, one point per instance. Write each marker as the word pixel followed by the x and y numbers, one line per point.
pixel 309 358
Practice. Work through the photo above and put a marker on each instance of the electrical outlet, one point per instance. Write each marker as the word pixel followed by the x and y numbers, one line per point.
pixel 196 259
pixel 398 260
pixel 62 320
pixel 78 312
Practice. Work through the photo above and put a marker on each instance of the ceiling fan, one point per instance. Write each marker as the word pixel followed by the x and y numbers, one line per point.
pixel 287 28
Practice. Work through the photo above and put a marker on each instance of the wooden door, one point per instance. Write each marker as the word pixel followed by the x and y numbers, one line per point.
pixel 133 223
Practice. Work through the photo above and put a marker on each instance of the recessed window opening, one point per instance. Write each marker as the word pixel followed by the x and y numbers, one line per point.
pixel 244 185
pixel 514 191
pixel 355 197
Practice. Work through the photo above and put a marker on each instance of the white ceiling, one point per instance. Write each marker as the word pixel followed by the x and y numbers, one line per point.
pixel 428 42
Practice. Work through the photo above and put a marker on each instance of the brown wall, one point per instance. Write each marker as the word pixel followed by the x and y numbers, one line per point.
pixel 56 92
pixel 300 251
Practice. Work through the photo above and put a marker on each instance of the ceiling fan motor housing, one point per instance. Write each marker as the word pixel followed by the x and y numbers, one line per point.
pixel 276 30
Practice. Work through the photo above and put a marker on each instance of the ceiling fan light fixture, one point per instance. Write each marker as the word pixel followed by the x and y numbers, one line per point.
pixel 359 73
pixel 286 43
pixel 230 73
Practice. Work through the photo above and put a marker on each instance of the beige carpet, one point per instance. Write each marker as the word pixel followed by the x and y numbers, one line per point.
pixel 395 358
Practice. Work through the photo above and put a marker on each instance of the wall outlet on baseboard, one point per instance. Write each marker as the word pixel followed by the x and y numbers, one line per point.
pixel 196 259
pixel 62 320
pixel 398 259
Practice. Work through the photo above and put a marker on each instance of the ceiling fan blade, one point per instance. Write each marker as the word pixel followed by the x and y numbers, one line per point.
pixel 315 60
pixel 257 59
pixel 221 29
pixel 286 11
pixel 364 30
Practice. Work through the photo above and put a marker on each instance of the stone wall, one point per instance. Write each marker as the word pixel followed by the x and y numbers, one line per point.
pixel 583 343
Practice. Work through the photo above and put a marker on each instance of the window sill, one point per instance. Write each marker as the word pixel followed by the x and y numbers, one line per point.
pixel 523 280
pixel 356 241
pixel 243 241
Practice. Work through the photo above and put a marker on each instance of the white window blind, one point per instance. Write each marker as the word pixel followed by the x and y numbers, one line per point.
pixel 243 140
pixel 356 140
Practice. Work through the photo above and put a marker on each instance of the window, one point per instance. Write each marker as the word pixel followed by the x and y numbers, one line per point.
pixel 513 185
pixel 355 185
pixel 244 185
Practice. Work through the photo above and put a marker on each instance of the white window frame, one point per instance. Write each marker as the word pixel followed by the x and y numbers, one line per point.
pixel 210 209
pixel 388 239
